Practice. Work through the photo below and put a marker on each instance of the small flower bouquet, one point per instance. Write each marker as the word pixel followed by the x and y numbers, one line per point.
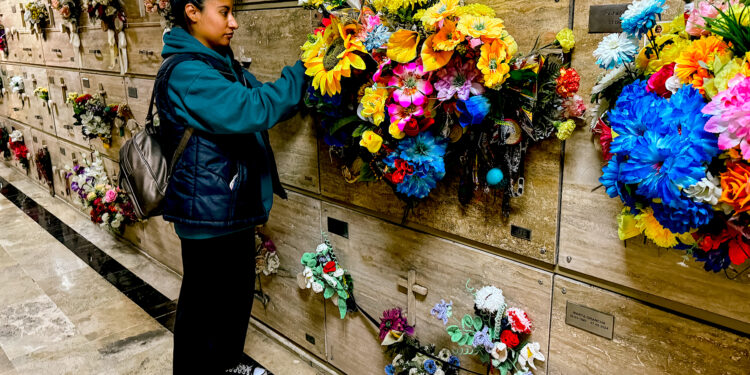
pixel 496 333
pixel 673 118
pixel 16 85
pixel 37 16
pixel 323 274
pixel 42 93
pixel 266 258
pixel 43 163
pixel 405 90
pixel 109 206
pixel 164 9
pixel 18 147
pixel 94 115
pixel 69 10
pixel 413 359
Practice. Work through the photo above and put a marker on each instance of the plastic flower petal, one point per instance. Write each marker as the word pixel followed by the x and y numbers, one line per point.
pixel 615 50
pixel 373 104
pixel 412 85
pixel 371 141
pixel 730 116
pixel 458 80
pixel 473 110
pixel 439 12
pixel 433 59
pixel 735 185
pixel 447 38
pixel 493 62
pixel 627 225
pixel 402 46
pixel 566 39
pixel 693 62
pixel 641 16
pixel 476 27
pixel 654 230
pixel 335 59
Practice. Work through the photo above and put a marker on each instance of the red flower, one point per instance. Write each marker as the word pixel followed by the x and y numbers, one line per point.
pixel 412 128
pixel 403 169
pixel 657 82
pixel 568 82
pixel 329 267
pixel 605 138
pixel 509 338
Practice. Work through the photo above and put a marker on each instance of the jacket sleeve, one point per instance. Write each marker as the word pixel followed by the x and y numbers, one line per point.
pixel 219 106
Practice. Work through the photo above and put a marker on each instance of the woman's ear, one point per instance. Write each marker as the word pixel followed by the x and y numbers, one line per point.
pixel 192 12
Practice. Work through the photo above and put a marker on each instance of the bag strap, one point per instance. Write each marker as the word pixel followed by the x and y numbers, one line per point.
pixel 180 148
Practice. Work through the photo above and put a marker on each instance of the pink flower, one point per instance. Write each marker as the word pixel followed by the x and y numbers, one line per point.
pixel 412 89
pixel 695 21
pixel 519 321
pixel 658 81
pixel 474 42
pixel 110 196
pixel 573 107
pixel 458 80
pixel 730 115
pixel 376 77
pixel 402 115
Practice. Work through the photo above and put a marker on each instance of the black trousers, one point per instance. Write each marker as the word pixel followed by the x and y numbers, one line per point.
pixel 216 298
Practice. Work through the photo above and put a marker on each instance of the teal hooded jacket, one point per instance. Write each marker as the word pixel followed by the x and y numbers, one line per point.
pixel 208 102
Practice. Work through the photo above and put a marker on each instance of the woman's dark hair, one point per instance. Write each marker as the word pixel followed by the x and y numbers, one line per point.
pixel 178 11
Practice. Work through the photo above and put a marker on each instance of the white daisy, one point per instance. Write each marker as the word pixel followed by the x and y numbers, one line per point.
pixel 615 50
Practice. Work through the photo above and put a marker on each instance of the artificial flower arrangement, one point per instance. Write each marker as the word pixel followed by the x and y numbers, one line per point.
pixel 4 139
pixel 324 274
pixel 164 9
pixel 43 163
pixel 18 148
pixel 37 16
pixel 96 117
pixel 69 10
pixel 673 120
pixel 111 15
pixel 497 334
pixel 409 90
pixel 42 93
pixel 109 206
pixel 266 258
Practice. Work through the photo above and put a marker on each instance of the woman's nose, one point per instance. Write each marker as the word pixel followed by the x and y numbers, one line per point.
pixel 233 22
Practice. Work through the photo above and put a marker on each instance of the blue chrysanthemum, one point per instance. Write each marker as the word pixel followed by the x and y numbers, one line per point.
pixel 684 116
pixel 425 153
pixel 613 182
pixel 634 113
pixel 680 220
pixel 473 110
pixel 715 260
pixel 641 16
pixel 377 37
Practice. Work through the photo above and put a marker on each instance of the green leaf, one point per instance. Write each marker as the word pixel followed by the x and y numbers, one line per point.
pixel 361 129
pixel 452 328
pixel 456 336
pixel 340 123
pixel 366 174
pixel 328 293
pixel 478 323
pixel 342 309
pixel 467 322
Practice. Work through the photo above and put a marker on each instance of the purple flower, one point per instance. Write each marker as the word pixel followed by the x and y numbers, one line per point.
pixel 442 311
pixel 393 319
pixel 482 338
pixel 458 80
pixel 74 186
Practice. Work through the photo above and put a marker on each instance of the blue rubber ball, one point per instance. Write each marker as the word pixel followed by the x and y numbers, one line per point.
pixel 494 176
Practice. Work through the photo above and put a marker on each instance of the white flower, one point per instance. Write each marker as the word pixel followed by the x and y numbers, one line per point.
pixel 500 352
pixel 331 281
pixel 673 84
pixel 608 79
pixel 272 264
pixel 105 217
pixel 339 272
pixel 115 224
pixel 317 287
pixel 397 361
pixel 439 372
pixel 444 354
pixel 414 371
pixel 615 50
pixel 321 248
pixel 16 83
pixel 528 354
pixel 309 278
pixel 16 136
pixel 489 299
pixel 707 190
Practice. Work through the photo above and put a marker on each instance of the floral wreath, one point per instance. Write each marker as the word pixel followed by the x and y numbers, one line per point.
pixel 672 118
pixel 409 91
pixel 37 16
pixel 96 118
pixel 111 15
pixel 109 206
pixel 43 163
pixel 18 148
pixel 323 274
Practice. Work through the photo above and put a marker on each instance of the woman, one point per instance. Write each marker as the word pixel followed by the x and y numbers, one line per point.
pixel 223 183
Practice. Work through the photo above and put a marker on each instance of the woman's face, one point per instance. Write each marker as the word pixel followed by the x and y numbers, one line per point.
pixel 214 25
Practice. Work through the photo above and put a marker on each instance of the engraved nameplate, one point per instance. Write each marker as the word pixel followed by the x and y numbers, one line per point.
pixel 133 92
pixel 606 18
pixel 519 232
pixel 590 320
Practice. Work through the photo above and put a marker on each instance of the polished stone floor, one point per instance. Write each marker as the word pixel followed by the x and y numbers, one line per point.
pixel 76 300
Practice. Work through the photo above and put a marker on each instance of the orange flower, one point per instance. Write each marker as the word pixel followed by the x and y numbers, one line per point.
pixel 447 38
pixel 735 185
pixel 493 62
pixel 402 46
pixel 693 60
pixel 431 59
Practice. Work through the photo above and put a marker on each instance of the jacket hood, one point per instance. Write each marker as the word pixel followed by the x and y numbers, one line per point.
pixel 178 40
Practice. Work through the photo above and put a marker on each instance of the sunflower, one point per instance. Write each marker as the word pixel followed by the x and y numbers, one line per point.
pixel 312 46
pixel 481 26
pixel 493 62
pixel 692 59
pixel 437 13
pixel 447 38
pixel 334 58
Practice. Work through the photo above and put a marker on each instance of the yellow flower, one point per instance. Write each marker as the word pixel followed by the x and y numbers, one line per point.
pixel 478 10
pixel 690 63
pixel 654 230
pixel 566 39
pixel 402 46
pixel 447 38
pixel 493 63
pixel 724 73
pixel 395 131
pixel 439 12
pixel 431 59
pixel 336 58
pixel 91 196
pixel 565 129
pixel 627 225
pixel 313 46
pixel 373 104
pixel 371 141
pixel 481 26
pixel 670 48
